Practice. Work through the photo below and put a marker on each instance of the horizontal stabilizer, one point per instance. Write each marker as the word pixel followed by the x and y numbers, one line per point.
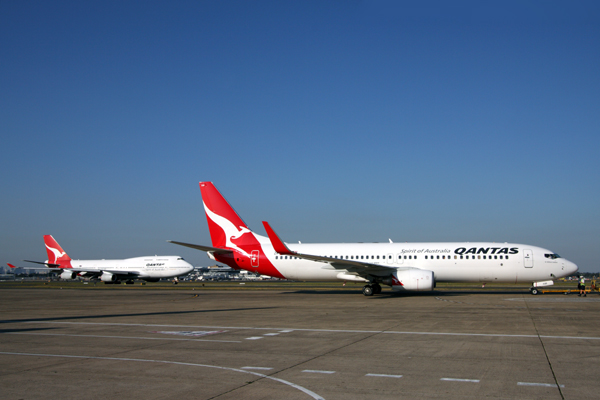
pixel 47 264
pixel 215 250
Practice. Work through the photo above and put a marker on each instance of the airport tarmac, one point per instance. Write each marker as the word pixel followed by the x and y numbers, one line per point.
pixel 297 344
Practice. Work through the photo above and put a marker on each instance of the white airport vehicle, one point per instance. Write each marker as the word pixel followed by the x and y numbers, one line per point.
pixel 148 268
pixel 402 266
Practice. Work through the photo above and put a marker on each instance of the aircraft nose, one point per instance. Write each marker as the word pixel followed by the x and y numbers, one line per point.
pixel 572 267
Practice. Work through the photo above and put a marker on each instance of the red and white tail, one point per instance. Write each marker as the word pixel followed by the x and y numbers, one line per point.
pixel 227 229
pixel 56 255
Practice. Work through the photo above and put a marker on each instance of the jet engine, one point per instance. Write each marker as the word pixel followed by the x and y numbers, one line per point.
pixel 413 280
pixel 108 277
pixel 68 275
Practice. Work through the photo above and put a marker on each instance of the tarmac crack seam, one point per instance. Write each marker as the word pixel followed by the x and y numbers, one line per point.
pixel 329 352
pixel 558 386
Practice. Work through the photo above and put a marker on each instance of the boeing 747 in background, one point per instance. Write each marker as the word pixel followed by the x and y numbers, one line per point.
pixel 402 266
pixel 149 268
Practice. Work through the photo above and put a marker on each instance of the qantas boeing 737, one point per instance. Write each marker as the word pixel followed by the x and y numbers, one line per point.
pixel 150 268
pixel 402 266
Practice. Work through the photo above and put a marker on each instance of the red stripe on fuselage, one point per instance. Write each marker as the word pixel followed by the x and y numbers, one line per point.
pixel 240 261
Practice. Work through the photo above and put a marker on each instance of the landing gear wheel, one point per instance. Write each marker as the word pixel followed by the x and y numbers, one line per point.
pixel 376 288
pixel 533 291
pixel 368 290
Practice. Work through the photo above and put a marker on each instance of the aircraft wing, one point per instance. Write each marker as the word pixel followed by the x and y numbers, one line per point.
pixel 361 268
pixel 215 250
pixel 116 272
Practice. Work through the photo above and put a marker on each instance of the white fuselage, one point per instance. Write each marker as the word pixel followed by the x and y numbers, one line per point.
pixel 450 262
pixel 152 267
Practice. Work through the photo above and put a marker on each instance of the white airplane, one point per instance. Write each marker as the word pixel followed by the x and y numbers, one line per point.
pixel 402 266
pixel 150 268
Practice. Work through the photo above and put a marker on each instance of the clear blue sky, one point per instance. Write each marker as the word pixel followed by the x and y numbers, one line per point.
pixel 334 121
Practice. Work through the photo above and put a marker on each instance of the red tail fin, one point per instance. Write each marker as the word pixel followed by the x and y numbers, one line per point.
pixel 56 255
pixel 227 230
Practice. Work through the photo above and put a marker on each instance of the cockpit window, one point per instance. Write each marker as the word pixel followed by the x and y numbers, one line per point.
pixel 552 256
pixel 181 258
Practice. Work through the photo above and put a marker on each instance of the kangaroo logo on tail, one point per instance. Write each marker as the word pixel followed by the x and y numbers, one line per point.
pixel 56 255
pixel 231 231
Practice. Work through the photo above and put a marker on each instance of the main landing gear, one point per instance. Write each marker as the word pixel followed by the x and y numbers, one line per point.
pixel 370 290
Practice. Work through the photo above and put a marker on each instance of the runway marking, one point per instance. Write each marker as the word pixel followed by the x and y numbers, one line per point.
pixel 288 383
pixel 119 337
pixel 259 368
pixel 254 338
pixel 324 330
pixel 316 371
pixel 286 331
pixel 552 385
pixel 271 334
pixel 460 380
pixel 384 375
pixel 189 333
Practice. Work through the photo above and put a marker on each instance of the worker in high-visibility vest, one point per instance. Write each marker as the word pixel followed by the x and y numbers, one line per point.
pixel 582 286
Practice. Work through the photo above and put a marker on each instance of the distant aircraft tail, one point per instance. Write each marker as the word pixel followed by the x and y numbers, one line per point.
pixel 56 255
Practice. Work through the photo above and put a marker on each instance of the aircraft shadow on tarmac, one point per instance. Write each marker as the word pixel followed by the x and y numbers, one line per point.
pixel 387 294
pixel 78 317
pixel 25 330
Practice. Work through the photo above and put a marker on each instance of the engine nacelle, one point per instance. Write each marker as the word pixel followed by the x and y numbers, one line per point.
pixel 108 277
pixel 349 277
pixel 413 280
pixel 68 275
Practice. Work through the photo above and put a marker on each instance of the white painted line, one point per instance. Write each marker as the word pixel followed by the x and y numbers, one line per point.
pixel 120 337
pixel 295 386
pixel 316 371
pixel 286 331
pixel 553 385
pixel 254 338
pixel 258 368
pixel 385 376
pixel 271 334
pixel 326 330
pixel 460 380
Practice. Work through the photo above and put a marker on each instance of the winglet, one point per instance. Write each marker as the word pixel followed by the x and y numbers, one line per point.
pixel 10 265
pixel 278 245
